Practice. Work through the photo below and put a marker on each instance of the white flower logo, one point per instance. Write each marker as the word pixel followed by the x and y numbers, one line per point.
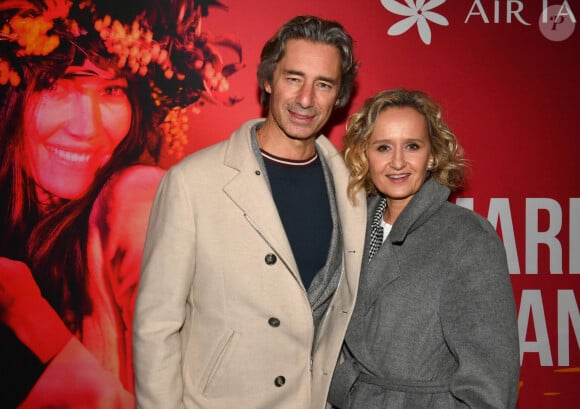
pixel 419 13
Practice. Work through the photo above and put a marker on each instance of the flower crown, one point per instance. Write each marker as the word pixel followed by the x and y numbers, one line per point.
pixel 159 40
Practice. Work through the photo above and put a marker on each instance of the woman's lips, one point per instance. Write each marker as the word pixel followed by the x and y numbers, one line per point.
pixel 398 178
pixel 78 158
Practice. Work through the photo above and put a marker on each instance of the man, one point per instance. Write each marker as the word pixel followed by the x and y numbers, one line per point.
pixel 251 262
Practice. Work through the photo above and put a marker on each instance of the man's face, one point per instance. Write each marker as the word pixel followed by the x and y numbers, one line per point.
pixel 304 88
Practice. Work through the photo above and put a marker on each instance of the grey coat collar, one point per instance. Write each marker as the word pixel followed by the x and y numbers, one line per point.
pixel 426 201
pixel 383 268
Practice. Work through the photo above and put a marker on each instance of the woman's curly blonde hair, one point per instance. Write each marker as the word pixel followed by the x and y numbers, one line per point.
pixel 448 165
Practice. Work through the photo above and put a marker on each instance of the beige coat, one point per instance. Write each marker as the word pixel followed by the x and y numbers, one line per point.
pixel 222 319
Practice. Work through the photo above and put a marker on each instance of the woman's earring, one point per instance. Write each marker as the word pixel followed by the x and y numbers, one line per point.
pixel 430 165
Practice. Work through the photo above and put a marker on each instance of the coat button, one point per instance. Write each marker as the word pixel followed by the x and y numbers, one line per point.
pixel 270 259
pixel 279 381
pixel 274 322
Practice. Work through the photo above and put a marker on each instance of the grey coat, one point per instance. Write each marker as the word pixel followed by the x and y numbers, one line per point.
pixel 435 322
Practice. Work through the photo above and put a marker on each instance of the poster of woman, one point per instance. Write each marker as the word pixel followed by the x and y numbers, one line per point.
pixel 92 93
pixel 100 97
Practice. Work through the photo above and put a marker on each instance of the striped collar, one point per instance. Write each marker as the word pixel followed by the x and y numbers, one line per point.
pixel 289 162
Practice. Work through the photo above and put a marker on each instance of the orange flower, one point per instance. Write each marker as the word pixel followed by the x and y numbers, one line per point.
pixel 7 75
pixel 30 34
pixel 57 9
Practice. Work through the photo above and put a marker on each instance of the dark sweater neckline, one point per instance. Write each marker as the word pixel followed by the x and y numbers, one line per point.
pixel 288 162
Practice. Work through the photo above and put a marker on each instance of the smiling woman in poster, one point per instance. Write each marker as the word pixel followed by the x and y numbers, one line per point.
pixel 84 87
pixel 435 322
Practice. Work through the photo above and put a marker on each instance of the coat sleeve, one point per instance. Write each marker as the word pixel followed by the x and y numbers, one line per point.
pixel 166 277
pixel 479 323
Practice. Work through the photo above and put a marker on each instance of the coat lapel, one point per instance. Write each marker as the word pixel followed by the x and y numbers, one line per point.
pixel 376 274
pixel 384 267
pixel 352 228
pixel 352 217
pixel 249 190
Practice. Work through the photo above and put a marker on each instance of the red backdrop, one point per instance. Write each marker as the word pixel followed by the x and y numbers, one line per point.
pixel 507 77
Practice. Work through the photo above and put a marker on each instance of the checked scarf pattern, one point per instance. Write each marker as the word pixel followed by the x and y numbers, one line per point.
pixel 377 229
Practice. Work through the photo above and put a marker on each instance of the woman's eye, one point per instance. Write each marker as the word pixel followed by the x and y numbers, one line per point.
pixel 116 90
pixel 382 148
pixel 413 146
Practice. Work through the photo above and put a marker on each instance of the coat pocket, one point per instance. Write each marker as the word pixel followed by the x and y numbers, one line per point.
pixel 219 360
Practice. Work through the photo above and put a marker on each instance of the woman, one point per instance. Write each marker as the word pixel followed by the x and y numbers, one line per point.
pixel 86 91
pixel 435 323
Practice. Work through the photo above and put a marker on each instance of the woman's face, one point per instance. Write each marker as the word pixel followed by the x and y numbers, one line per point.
pixel 71 129
pixel 398 152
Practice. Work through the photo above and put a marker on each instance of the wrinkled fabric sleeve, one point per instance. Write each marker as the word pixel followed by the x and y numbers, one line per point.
pixel 479 323
pixel 167 273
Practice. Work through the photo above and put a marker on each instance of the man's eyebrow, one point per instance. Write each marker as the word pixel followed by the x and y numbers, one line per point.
pixel 318 78
pixel 294 72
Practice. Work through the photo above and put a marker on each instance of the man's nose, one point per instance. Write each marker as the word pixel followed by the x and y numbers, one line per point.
pixel 305 96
